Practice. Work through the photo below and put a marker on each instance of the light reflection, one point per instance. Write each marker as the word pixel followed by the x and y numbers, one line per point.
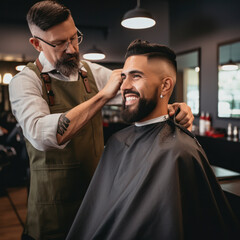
pixel 7 77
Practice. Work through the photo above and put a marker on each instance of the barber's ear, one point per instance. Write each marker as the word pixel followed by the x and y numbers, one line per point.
pixel 167 86
pixel 36 43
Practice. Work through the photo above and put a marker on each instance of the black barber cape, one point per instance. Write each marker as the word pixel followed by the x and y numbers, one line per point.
pixel 154 182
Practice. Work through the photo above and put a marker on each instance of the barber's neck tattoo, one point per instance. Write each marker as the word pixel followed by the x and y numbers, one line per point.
pixel 63 124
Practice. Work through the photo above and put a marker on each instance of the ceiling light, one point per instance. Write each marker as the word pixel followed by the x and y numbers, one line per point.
pixel 7 77
pixel 94 54
pixel 197 69
pixel 20 67
pixel 138 18
pixel 229 66
pixel 8 58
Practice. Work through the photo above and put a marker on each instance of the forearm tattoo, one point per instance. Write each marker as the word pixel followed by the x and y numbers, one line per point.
pixel 63 124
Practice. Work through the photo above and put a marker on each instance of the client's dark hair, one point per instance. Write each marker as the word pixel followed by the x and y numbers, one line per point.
pixel 151 50
pixel 46 14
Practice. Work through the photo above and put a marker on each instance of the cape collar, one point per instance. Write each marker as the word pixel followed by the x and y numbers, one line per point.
pixel 151 121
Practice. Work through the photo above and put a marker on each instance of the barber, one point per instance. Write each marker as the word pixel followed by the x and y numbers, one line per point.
pixel 57 101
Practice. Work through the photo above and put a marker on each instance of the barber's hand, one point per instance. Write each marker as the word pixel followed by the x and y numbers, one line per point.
pixel 184 117
pixel 113 84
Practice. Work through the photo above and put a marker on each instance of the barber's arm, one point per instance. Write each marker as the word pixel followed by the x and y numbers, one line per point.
pixel 72 121
pixel 32 111
pixel 184 117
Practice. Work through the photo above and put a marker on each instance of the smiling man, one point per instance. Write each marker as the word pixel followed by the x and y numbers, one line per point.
pixel 57 101
pixel 153 180
pixel 140 96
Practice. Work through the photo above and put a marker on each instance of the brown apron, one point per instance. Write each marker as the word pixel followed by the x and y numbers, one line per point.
pixel 59 178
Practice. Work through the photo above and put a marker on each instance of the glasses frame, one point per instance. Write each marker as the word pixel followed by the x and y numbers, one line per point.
pixel 53 45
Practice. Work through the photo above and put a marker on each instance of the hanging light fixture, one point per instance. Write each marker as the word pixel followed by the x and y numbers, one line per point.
pixel 94 54
pixel 197 69
pixel 20 67
pixel 138 18
pixel 230 65
pixel 7 77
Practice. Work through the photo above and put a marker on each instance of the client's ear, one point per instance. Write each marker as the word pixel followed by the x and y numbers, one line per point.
pixel 36 43
pixel 167 86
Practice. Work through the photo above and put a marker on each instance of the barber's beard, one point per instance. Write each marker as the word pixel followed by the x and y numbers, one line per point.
pixel 142 110
pixel 68 64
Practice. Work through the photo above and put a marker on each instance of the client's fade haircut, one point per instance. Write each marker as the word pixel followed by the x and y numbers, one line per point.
pixel 151 50
pixel 46 14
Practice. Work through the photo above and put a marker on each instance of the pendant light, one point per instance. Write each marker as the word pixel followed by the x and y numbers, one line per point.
pixel 20 67
pixel 138 18
pixel 7 77
pixel 230 65
pixel 94 54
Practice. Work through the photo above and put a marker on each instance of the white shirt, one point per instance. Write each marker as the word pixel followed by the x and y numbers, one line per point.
pixel 153 120
pixel 32 111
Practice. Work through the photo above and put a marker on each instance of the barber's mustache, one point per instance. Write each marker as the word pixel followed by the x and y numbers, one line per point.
pixel 68 56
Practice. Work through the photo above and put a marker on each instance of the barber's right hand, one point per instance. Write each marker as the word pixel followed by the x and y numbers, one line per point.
pixel 113 84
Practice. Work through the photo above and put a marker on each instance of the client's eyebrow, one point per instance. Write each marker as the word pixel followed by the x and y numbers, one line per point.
pixel 132 72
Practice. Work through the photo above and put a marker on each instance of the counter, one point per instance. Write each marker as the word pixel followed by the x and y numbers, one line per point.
pixel 221 152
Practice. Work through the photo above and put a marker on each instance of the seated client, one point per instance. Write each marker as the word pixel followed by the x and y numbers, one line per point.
pixel 154 180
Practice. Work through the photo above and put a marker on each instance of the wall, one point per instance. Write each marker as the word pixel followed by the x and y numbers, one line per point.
pixel 14 43
pixel 182 24
pixel 118 37
pixel 98 20
pixel 205 24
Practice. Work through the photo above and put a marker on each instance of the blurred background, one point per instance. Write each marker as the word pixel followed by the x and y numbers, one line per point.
pixel 205 34
pixel 184 25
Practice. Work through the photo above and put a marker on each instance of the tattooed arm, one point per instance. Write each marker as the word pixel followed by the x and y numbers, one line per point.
pixel 63 124
pixel 72 121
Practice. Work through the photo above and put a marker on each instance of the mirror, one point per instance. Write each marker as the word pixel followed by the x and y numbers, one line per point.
pixel 188 79
pixel 229 80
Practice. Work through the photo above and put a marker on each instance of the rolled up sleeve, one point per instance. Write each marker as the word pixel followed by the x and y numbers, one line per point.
pixel 32 111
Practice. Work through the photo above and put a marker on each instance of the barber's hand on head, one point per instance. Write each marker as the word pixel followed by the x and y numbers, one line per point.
pixel 184 117
pixel 113 84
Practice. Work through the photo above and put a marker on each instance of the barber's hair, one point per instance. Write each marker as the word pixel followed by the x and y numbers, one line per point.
pixel 151 50
pixel 46 14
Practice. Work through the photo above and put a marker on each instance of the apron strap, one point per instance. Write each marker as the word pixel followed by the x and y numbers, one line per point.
pixel 85 80
pixel 47 82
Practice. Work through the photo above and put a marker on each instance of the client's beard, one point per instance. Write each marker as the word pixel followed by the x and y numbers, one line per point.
pixel 144 108
pixel 66 66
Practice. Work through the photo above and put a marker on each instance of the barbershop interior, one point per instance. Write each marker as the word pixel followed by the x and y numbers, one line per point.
pixel 205 36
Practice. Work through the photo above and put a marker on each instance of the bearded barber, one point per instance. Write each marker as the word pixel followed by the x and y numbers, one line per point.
pixel 57 101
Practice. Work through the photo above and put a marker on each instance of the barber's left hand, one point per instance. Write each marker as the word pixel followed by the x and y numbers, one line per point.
pixel 184 117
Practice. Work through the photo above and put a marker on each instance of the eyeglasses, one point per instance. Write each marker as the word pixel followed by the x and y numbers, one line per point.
pixel 61 47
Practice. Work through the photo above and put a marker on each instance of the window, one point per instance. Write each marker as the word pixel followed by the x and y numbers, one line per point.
pixel 188 79
pixel 229 80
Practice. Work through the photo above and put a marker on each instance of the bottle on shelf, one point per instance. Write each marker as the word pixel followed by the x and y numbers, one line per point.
pixel 235 133
pixel 207 122
pixel 202 124
pixel 229 131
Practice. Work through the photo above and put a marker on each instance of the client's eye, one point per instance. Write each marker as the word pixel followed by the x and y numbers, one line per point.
pixel 123 77
pixel 136 76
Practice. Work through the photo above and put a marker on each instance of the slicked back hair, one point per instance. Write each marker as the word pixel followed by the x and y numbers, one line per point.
pixel 151 50
pixel 46 14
